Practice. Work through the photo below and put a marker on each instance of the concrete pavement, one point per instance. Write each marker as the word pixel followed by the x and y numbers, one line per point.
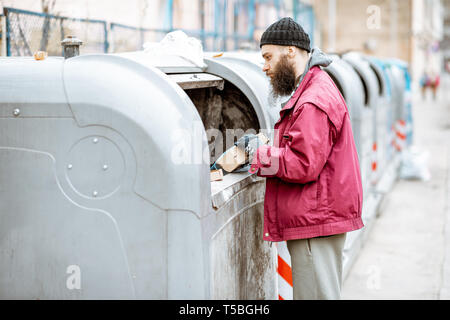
pixel 407 253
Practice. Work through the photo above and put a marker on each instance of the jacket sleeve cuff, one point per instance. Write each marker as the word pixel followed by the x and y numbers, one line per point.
pixel 266 161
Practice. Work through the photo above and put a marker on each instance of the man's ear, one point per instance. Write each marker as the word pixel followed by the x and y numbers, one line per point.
pixel 291 52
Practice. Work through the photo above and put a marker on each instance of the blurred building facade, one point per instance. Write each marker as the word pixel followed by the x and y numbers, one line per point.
pixel 410 30
pixel 427 36
pixel 445 44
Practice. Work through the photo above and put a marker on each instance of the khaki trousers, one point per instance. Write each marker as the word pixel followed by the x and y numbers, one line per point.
pixel 317 267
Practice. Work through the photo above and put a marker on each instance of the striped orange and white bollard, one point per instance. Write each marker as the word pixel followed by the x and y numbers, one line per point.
pixel 400 135
pixel 374 163
pixel 285 285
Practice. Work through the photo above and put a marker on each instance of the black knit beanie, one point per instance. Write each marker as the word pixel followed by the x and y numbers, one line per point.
pixel 286 32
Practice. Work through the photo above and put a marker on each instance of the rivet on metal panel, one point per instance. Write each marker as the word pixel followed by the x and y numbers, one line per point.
pixel 95 193
pixel 105 167
pixel 16 112
pixel 69 166
pixel 95 140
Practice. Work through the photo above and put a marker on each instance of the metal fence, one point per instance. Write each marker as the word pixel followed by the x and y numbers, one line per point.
pixel 128 38
pixel 27 32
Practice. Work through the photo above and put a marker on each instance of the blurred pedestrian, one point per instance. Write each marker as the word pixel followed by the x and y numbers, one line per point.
pixel 429 80
pixel 313 188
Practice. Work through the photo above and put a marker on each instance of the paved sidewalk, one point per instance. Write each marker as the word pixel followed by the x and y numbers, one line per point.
pixel 407 253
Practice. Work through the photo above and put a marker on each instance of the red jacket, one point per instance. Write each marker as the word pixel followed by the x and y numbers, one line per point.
pixel 313 185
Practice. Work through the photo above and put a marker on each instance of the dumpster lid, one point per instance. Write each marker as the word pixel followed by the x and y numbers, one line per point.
pixel 245 72
pixel 251 56
pixel 197 80
pixel 367 75
pixel 168 63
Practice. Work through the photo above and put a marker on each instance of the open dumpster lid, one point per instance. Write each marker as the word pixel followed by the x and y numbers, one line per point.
pixel 245 72
pixel 165 63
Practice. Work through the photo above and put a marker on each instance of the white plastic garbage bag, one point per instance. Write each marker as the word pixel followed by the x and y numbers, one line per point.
pixel 179 44
pixel 414 165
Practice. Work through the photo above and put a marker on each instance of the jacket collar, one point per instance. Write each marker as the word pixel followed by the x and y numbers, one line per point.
pixel 316 59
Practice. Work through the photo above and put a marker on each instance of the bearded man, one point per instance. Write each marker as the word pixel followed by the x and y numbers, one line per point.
pixel 313 187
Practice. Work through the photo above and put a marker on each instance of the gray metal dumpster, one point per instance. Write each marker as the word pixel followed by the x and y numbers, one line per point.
pixel 239 198
pixel 372 108
pixel 396 112
pixel 398 91
pixel 381 128
pixel 387 163
pixel 105 184
pixel 407 116
pixel 371 102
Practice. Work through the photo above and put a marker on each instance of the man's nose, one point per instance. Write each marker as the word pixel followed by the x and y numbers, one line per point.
pixel 265 68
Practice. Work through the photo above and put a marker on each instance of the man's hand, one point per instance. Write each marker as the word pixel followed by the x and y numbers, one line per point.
pixel 249 143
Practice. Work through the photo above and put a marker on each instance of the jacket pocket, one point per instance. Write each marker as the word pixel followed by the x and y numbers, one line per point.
pixel 318 192
pixel 285 138
pixel 310 195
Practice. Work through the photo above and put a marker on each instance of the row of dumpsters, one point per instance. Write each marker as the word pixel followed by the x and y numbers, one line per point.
pixel 105 189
